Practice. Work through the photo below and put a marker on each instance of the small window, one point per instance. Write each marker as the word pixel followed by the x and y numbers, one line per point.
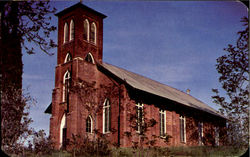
pixel 89 124
pixel 65 33
pixel 182 129
pixel 93 33
pixel 72 30
pixel 86 30
pixel 106 116
pixel 66 82
pixel 89 58
pixel 217 135
pixel 67 58
pixel 139 118
pixel 200 132
pixel 162 123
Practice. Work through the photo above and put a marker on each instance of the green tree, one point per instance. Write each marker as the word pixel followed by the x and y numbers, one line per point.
pixel 233 68
pixel 23 25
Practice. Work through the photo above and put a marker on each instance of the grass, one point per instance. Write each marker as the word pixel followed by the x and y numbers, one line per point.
pixel 198 151
pixel 180 152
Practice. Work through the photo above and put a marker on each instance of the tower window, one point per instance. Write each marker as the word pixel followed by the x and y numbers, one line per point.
pixel 93 33
pixel 66 81
pixel 65 33
pixel 162 123
pixel 139 117
pixel 183 129
pixel 72 30
pixel 89 124
pixel 67 58
pixel 106 116
pixel 86 30
pixel 89 58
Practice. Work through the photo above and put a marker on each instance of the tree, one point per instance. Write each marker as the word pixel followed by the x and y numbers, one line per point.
pixel 233 68
pixel 22 23
pixel 14 132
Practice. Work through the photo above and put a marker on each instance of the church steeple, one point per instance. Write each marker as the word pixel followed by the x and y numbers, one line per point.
pixel 80 33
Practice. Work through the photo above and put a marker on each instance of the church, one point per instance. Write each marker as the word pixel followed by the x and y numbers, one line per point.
pixel 91 96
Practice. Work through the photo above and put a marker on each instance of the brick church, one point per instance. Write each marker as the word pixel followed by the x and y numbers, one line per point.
pixel 92 96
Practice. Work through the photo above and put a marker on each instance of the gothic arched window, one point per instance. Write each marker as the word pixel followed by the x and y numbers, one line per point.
pixel 93 33
pixel 67 58
pixel 72 30
pixel 66 79
pixel 65 33
pixel 106 116
pixel 89 58
pixel 86 30
pixel 63 132
pixel 89 125
pixel 162 123
pixel 139 117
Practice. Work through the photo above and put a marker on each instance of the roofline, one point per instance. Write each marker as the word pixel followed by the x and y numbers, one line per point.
pixel 80 5
pixel 193 107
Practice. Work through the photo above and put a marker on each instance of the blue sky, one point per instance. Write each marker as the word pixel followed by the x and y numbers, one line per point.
pixel 175 43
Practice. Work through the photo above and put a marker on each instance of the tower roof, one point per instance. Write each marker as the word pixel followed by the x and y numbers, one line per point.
pixel 79 5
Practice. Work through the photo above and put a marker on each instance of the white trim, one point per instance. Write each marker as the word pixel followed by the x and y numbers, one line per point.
pixel 200 132
pixel 93 24
pixel 87 22
pixel 139 105
pixel 67 57
pixel 80 58
pixel 92 58
pixel 165 119
pixel 91 124
pixel 71 29
pixel 62 126
pixel 65 32
pixel 184 129
pixel 104 118
pixel 64 78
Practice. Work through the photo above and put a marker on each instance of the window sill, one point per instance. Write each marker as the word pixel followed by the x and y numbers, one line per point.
pixel 106 132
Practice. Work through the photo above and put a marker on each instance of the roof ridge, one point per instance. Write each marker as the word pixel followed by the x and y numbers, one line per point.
pixel 188 99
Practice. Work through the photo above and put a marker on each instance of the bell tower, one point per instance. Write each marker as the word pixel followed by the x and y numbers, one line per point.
pixel 80 32
pixel 80 47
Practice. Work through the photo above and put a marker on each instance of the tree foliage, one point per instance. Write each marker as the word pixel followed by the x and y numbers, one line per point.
pixel 233 68
pixel 23 25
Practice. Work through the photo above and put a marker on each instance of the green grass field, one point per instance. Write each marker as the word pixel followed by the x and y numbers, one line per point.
pixel 201 151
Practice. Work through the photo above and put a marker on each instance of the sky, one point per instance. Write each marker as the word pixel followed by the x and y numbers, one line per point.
pixel 175 43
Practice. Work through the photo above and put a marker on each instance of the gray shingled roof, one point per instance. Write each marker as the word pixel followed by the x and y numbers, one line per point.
pixel 156 88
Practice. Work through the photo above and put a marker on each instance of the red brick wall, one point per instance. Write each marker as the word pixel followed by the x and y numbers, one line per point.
pixel 76 118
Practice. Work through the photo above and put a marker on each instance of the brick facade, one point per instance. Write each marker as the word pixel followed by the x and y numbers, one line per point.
pixel 122 97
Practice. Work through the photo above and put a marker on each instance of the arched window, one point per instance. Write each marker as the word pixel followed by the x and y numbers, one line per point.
pixel 200 132
pixel 67 58
pixel 183 129
pixel 65 33
pixel 63 132
pixel 93 33
pixel 72 30
pixel 86 30
pixel 162 123
pixel 106 116
pixel 89 58
pixel 139 117
pixel 89 125
pixel 66 79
